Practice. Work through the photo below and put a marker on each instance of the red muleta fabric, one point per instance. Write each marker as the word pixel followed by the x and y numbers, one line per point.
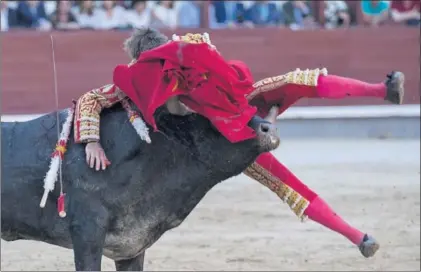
pixel 203 80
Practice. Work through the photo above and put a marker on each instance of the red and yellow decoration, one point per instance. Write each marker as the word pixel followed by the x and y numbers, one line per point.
pixel 56 160
pixel 196 38
pixel 137 121
pixel 60 149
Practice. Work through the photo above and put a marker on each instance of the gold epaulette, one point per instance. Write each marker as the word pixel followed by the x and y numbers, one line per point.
pixel 193 38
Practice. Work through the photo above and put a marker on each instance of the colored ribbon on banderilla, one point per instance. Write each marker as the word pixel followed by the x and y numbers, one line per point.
pixel 58 154
pixel 56 163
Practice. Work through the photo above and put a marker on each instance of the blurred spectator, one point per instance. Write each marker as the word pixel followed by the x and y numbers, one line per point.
pixel 336 14
pixel 375 12
pixel 265 13
pixel 139 15
pixel 245 13
pixel 8 16
pixel 164 15
pixel 406 11
pixel 298 14
pixel 12 4
pixel 127 3
pixel 50 7
pixel 31 14
pixel 63 18
pixel 123 4
pixel 221 14
pixel 111 16
pixel 242 13
pixel 86 14
pixel 189 14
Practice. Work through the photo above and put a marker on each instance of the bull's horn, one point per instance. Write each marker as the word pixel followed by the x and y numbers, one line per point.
pixel 273 113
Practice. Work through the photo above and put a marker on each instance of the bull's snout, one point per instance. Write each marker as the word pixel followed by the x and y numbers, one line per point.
pixel 266 131
pixel 268 137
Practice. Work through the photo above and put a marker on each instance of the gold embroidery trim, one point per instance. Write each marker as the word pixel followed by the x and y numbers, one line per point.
pixel 297 203
pixel 299 77
pixel 90 105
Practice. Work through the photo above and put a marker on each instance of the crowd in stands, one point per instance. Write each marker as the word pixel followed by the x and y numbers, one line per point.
pixel 122 14
pixel 399 11
pixel 101 15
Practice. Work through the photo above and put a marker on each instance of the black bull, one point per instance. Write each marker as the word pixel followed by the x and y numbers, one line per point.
pixel 120 212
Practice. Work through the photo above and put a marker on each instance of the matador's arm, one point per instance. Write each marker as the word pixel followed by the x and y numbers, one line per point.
pixel 88 109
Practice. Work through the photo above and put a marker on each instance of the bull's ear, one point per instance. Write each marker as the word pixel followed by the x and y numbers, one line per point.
pixel 174 106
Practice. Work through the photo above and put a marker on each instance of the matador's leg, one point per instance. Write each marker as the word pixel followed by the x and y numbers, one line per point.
pixel 286 89
pixel 304 202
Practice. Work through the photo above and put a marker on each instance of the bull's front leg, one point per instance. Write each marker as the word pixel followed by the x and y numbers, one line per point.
pixel 133 264
pixel 88 225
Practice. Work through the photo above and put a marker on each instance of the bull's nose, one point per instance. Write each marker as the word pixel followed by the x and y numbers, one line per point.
pixel 268 135
pixel 264 127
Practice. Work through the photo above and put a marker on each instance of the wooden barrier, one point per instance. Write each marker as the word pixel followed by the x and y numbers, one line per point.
pixel 86 59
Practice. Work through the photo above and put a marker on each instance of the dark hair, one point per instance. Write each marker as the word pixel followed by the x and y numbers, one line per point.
pixel 54 18
pixel 135 2
pixel 171 6
pixel 88 11
pixel 143 39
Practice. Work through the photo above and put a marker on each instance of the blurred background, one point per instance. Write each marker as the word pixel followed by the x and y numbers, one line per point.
pixel 361 155
pixel 360 39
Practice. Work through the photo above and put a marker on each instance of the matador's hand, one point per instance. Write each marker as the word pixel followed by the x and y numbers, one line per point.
pixel 95 156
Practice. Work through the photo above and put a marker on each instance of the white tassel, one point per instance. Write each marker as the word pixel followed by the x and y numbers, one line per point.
pixel 175 37
pixel 141 129
pixel 51 176
pixel 137 122
pixel 50 179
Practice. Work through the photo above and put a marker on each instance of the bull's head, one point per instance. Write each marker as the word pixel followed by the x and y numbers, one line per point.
pixel 267 135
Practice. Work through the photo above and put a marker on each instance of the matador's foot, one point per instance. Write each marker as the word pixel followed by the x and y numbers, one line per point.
pixel 395 90
pixel 368 246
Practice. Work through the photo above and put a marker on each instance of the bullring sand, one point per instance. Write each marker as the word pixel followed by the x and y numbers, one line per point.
pixel 240 225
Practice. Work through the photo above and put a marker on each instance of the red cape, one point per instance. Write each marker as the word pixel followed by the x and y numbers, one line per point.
pixel 202 79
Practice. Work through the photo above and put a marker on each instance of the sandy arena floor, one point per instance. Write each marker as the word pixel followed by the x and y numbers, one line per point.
pixel 240 225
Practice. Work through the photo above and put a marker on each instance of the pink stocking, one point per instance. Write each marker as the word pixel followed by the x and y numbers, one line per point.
pixel 331 86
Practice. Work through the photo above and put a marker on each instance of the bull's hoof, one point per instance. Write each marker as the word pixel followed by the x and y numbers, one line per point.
pixel 368 246
pixel 395 90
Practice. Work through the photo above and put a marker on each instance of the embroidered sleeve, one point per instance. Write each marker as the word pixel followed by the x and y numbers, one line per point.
pixel 298 77
pixel 88 109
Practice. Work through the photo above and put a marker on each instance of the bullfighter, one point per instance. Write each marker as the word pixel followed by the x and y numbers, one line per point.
pixel 172 58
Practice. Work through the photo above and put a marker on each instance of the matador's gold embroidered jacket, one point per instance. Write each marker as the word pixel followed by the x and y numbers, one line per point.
pixel 88 109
